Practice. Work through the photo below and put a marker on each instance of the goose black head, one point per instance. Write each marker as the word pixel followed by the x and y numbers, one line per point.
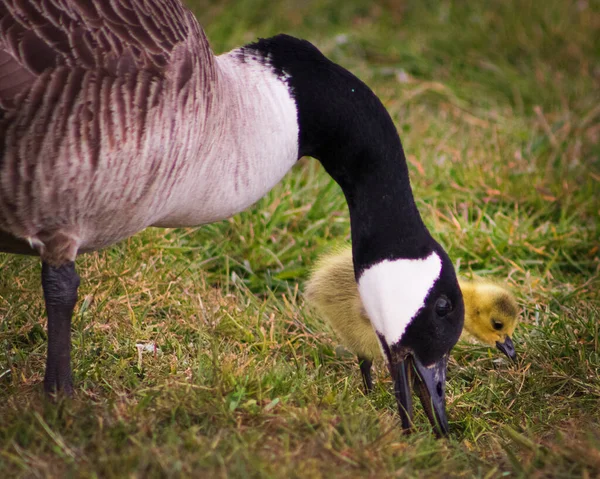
pixel 417 311
pixel 406 280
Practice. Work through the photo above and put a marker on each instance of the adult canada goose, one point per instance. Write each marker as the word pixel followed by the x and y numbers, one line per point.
pixel 115 116
pixel 491 312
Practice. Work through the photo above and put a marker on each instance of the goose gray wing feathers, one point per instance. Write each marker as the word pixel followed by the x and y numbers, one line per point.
pixel 93 94
pixel 115 37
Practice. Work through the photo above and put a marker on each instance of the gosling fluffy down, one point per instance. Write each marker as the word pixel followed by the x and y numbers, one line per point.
pixel 491 311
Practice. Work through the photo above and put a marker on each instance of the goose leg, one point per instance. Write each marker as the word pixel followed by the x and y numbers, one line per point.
pixel 60 285
pixel 365 371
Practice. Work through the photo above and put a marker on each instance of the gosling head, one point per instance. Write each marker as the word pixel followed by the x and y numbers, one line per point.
pixel 491 315
pixel 416 308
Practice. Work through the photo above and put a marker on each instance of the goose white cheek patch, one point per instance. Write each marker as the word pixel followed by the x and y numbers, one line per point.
pixel 393 291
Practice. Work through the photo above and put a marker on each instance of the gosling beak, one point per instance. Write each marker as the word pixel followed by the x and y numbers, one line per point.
pixel 431 386
pixel 508 348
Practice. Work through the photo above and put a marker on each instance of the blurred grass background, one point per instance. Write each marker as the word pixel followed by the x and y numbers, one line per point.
pixel 498 107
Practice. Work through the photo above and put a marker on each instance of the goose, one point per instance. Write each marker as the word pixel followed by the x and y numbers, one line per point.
pixel 116 116
pixel 491 311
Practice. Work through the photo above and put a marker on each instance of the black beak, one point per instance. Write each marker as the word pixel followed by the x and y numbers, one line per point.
pixel 431 389
pixel 401 374
pixel 508 348
pixel 432 392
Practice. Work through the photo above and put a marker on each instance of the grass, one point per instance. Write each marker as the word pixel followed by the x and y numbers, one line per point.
pixel 497 106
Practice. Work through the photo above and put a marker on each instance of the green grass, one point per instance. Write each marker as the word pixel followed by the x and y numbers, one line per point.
pixel 498 109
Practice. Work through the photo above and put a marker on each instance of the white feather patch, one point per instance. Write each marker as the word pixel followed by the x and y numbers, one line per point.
pixel 394 291
pixel 250 143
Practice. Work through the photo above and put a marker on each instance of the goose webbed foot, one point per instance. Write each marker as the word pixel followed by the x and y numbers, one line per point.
pixel 60 285
pixel 365 371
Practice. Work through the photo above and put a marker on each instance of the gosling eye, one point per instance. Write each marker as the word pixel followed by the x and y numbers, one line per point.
pixel 443 306
pixel 498 325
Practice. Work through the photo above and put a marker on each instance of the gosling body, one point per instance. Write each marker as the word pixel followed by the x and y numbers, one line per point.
pixel 491 312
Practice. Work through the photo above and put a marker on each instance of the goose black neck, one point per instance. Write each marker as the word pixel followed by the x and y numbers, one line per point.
pixel 345 126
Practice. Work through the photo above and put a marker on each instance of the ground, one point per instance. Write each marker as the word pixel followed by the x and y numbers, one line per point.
pixel 194 353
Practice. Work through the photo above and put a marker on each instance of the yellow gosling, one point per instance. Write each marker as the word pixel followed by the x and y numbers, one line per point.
pixel 491 312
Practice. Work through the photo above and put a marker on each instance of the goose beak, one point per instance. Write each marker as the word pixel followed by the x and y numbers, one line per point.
pixel 508 348
pixel 430 384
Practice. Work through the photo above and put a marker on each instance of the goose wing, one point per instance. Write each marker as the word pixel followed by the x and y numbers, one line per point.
pixel 113 36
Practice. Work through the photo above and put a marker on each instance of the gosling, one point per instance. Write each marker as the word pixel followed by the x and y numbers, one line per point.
pixel 491 312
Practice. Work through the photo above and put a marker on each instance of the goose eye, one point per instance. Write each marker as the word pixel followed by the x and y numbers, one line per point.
pixel 497 325
pixel 443 306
